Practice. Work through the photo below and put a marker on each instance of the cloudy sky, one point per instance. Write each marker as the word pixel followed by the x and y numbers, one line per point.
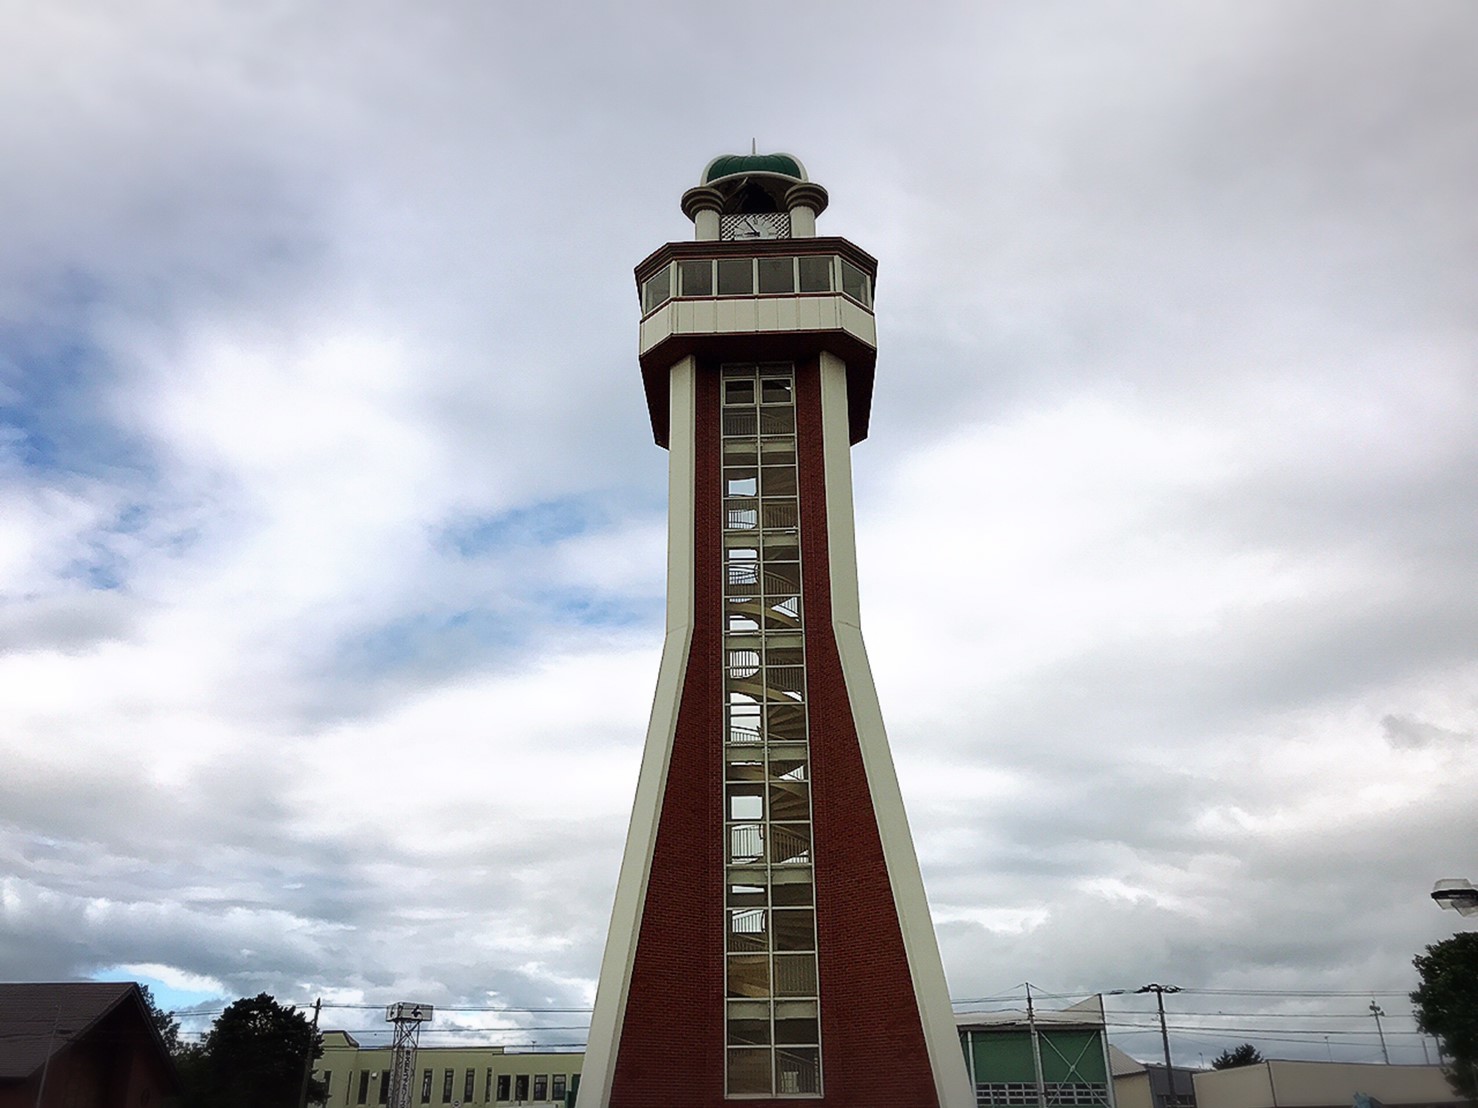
pixel 331 556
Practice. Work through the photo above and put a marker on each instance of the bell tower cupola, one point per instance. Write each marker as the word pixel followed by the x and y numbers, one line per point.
pixel 754 196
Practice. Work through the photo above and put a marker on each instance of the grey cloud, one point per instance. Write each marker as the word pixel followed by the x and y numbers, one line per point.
pixel 1189 207
pixel 1409 733
pixel 69 624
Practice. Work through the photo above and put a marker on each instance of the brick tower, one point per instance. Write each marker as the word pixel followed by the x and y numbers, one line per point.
pixel 770 939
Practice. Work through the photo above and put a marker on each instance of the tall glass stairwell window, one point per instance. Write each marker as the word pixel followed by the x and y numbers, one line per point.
pixel 772 1015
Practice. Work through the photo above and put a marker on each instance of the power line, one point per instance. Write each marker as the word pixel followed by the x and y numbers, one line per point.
pixel 1244 1029
pixel 1298 992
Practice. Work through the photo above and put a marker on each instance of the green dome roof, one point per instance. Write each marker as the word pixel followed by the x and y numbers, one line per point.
pixel 729 164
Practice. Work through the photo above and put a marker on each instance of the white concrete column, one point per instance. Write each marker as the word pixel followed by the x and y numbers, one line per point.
pixel 646 811
pixel 806 201
pixel 702 205
pixel 941 1037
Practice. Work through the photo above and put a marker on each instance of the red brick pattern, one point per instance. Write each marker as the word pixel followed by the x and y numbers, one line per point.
pixel 672 1039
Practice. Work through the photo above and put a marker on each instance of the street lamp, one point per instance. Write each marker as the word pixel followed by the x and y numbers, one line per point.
pixel 1458 894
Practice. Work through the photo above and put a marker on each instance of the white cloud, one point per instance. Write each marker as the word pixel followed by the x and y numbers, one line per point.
pixel 1165 524
pixel 176 979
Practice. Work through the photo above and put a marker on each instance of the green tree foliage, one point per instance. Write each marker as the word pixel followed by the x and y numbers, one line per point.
pixel 252 1057
pixel 1244 1055
pixel 167 1026
pixel 1446 1005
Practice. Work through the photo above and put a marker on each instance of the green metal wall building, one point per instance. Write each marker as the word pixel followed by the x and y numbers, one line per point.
pixel 1038 1060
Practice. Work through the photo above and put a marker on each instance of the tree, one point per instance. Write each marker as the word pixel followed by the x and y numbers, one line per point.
pixel 252 1057
pixel 164 1022
pixel 1244 1055
pixel 1446 1005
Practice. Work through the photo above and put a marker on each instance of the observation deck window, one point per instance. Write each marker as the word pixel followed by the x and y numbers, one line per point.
pixel 736 277
pixel 657 289
pixel 813 274
pixel 855 284
pixel 808 274
pixel 776 275
pixel 695 277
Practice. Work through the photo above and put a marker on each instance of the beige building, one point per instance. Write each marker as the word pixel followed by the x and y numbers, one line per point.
pixel 452 1076
pixel 1324 1085
pixel 1131 1081
pixel 1138 1085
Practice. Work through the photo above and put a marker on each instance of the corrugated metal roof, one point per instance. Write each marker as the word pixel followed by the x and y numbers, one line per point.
pixel 1121 1064
pixel 37 1020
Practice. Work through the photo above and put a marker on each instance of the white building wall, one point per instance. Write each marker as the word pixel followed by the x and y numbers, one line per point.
pixel 1283 1084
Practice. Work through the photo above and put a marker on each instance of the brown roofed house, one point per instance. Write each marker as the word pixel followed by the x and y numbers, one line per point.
pixel 81 1044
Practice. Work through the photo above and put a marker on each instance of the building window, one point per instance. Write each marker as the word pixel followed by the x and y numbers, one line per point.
pixel 363 1087
pixel 541 1087
pixel 776 276
pixel 328 1081
pixel 657 289
pixel 521 1087
pixel 384 1086
pixel 736 277
pixel 425 1086
pixel 814 274
pixel 704 277
pixel 1024 1094
pixel 855 285
pixel 503 1083
pixel 558 1092
pixel 695 277
pixel 467 1086
pixel 446 1086
pixel 772 1013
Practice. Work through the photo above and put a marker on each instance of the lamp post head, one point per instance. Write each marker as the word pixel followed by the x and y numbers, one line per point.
pixel 1458 894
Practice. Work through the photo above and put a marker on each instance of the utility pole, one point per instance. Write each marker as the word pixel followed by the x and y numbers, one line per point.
pixel 1160 991
pixel 308 1058
pixel 1377 1013
pixel 1031 1027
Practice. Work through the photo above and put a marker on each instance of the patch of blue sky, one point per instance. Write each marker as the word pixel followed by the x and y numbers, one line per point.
pixel 586 608
pixel 102 565
pixel 187 992
pixel 536 525
pixel 53 412
pixel 441 642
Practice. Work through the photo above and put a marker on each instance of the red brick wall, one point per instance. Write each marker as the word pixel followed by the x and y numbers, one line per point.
pixel 672 1040
pixel 871 1033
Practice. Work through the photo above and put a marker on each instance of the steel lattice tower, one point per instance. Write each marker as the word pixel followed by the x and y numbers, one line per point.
pixel 407 1019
